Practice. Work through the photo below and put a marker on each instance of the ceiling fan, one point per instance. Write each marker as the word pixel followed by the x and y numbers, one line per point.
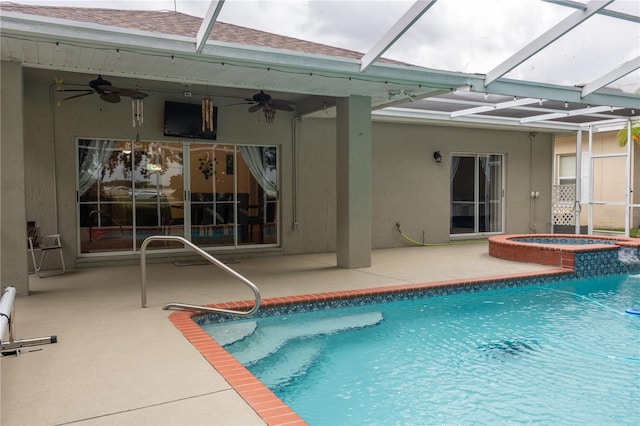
pixel 107 92
pixel 263 101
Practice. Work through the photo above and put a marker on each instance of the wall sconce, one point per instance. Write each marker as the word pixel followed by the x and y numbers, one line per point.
pixel 437 156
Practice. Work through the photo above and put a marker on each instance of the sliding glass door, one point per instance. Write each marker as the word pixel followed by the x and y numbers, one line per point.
pixel 258 194
pixel 223 195
pixel 213 195
pixel 476 194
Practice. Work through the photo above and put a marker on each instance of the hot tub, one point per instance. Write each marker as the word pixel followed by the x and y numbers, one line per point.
pixel 599 255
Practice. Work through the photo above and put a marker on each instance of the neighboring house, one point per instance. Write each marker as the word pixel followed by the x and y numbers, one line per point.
pixel 334 162
pixel 602 183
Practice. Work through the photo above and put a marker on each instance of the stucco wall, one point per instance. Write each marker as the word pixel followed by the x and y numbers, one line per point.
pixel 408 186
pixel 411 188
pixel 13 229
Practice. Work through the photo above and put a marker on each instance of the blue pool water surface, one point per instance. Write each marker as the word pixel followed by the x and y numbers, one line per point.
pixel 563 353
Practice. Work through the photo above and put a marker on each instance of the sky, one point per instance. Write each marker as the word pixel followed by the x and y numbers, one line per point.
pixel 470 36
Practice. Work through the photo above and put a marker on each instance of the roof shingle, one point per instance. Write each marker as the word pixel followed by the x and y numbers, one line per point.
pixel 179 24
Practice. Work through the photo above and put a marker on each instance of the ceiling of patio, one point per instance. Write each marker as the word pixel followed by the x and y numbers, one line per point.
pixel 509 93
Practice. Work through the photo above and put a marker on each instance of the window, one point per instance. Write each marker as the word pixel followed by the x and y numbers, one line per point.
pixel 567 169
pixel 476 194
pixel 223 195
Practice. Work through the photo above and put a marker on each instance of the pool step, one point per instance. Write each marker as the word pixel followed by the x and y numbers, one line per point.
pixel 284 367
pixel 267 339
pixel 227 333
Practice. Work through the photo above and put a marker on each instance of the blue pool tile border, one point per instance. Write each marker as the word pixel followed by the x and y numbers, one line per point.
pixel 426 292
pixel 587 264
pixel 605 262
pixel 563 240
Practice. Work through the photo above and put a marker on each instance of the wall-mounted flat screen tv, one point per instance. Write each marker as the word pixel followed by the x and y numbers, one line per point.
pixel 185 121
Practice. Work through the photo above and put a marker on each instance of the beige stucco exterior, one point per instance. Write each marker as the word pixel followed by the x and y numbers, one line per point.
pixel 13 245
pixel 407 185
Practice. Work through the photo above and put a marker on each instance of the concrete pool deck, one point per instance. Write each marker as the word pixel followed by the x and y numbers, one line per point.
pixel 118 364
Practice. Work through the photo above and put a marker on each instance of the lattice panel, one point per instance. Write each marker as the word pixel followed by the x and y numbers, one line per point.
pixel 563 200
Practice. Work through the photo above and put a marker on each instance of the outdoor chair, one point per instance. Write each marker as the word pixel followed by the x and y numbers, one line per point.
pixel 43 244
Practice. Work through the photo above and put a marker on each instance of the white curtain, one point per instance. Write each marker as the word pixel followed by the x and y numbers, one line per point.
pixel 93 154
pixel 262 164
pixel 455 162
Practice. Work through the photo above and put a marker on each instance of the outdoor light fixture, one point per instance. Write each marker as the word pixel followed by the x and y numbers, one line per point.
pixel 437 156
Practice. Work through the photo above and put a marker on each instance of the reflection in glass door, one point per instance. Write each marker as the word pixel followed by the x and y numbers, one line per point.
pixel 476 194
pixel 258 194
pixel 213 198
pixel 105 206
pixel 158 192
pixel 128 191
pixel 234 195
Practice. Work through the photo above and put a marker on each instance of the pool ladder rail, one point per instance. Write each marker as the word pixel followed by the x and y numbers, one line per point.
pixel 210 259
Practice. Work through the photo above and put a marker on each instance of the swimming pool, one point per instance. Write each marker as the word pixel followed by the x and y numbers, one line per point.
pixel 552 352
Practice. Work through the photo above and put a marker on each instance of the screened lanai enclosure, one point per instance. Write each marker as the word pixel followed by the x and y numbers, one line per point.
pixel 328 119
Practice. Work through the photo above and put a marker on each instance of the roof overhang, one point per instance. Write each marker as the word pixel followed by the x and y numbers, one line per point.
pixel 313 81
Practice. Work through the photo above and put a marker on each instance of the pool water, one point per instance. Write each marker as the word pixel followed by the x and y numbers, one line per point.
pixel 562 353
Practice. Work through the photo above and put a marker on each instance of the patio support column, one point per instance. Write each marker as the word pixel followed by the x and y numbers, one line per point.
pixel 13 222
pixel 353 182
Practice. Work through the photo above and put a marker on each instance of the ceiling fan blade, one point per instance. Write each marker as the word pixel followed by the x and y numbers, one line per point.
pixel 78 96
pixel 132 93
pixel 255 108
pixel 112 98
pixel 75 90
pixel 108 88
pixel 239 103
pixel 281 107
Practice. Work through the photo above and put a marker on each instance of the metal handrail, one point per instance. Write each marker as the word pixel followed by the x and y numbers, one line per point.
pixel 209 258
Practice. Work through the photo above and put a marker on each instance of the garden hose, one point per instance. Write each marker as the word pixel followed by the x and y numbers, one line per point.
pixel 411 240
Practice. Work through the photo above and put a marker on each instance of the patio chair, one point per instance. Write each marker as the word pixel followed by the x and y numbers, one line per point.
pixel 43 244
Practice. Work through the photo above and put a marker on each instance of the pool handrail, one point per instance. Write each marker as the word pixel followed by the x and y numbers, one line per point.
pixel 210 259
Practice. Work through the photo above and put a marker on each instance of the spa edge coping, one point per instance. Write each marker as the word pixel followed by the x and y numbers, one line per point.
pixel 614 242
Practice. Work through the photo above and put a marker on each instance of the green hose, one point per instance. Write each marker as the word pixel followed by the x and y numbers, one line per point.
pixel 411 240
